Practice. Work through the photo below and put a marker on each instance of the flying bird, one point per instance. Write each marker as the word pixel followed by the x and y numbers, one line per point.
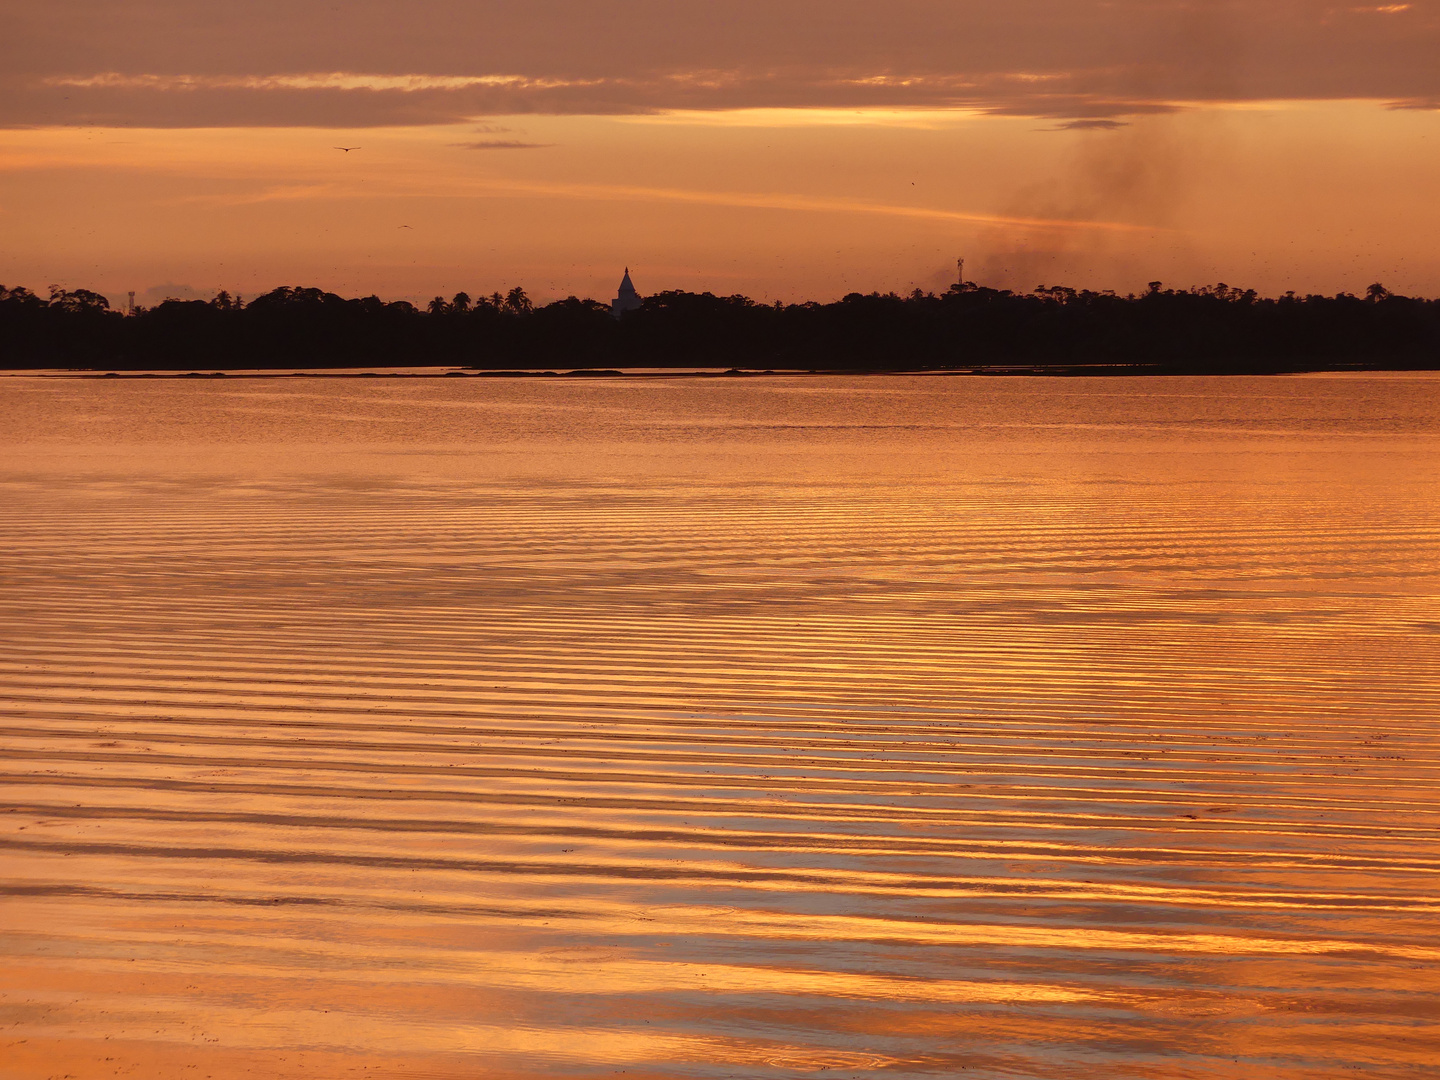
pixel 347 149
pixel 406 226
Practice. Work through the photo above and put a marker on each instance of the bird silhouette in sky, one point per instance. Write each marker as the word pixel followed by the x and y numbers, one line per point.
pixel 347 149
pixel 406 226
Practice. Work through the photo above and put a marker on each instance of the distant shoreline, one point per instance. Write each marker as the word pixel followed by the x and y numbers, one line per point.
pixel 602 374
pixel 971 330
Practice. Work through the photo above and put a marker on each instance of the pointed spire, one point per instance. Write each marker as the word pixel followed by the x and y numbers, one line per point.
pixel 628 299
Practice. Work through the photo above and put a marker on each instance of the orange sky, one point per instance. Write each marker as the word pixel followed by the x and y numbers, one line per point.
pixel 785 150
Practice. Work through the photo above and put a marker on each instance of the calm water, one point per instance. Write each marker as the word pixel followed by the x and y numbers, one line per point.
pixel 720 728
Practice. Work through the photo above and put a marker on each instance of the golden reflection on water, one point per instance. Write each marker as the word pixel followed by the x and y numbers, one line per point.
pixel 709 728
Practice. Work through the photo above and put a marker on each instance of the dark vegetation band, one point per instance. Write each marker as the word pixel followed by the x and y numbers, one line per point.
pixel 1212 329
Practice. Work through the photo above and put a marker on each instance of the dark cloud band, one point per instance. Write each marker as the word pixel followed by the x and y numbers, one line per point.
pixel 167 63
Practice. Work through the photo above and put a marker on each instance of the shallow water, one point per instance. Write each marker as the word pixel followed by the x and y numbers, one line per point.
pixel 720 728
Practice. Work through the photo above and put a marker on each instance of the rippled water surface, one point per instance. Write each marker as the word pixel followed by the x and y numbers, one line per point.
pixel 460 728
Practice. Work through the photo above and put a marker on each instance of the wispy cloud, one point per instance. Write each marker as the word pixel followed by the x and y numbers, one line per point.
pixel 329 80
pixel 919 117
pixel 1090 124
pixel 275 193
pixel 500 144
pixel 470 187
pixel 811 204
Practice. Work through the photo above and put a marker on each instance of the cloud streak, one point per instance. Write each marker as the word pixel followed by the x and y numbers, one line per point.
pixel 782 201
pixel 331 80
pixel 501 144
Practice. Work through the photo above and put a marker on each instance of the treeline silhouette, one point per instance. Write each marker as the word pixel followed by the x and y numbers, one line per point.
pixel 1214 329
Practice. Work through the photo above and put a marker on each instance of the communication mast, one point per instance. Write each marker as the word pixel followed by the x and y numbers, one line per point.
pixel 960 267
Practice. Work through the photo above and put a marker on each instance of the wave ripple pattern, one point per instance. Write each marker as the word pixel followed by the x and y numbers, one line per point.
pixel 721 731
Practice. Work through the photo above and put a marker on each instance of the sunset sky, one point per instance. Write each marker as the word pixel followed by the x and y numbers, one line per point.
pixel 789 149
